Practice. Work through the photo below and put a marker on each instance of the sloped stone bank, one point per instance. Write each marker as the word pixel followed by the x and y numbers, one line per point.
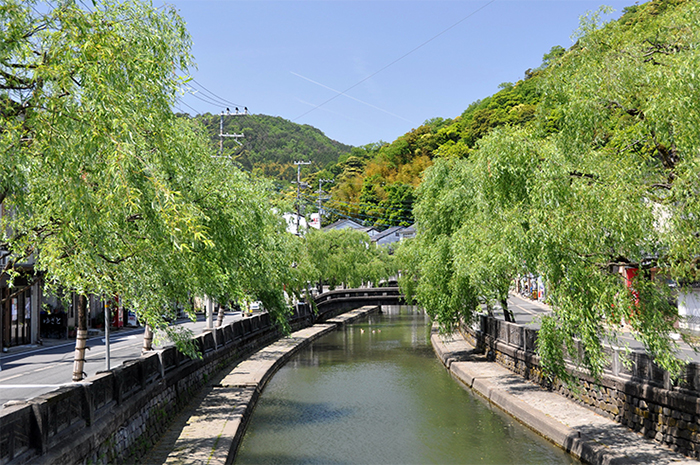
pixel 641 397
pixel 213 433
pixel 115 416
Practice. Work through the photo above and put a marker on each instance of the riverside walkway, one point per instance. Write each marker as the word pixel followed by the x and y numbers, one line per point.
pixel 208 432
pixel 580 431
pixel 210 429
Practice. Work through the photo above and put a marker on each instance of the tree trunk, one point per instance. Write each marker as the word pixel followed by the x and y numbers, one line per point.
pixel 147 339
pixel 220 319
pixel 489 309
pixel 80 340
pixel 507 313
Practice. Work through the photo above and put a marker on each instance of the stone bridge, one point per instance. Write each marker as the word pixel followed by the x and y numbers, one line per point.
pixel 332 303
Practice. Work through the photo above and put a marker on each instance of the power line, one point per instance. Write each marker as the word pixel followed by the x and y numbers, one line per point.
pixel 207 99
pixel 381 218
pixel 182 102
pixel 360 215
pixel 372 205
pixel 395 61
pixel 216 96
pixel 221 129
pixel 300 186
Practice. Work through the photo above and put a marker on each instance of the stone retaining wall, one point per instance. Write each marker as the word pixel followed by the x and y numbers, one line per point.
pixel 642 397
pixel 115 416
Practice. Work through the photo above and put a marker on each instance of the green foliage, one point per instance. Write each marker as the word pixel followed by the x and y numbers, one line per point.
pixel 552 56
pixel 601 172
pixel 343 256
pixel 108 190
pixel 398 206
pixel 272 144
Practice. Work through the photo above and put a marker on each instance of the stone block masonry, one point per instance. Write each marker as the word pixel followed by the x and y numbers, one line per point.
pixel 217 426
pixel 212 435
pixel 585 434
pixel 115 416
pixel 639 396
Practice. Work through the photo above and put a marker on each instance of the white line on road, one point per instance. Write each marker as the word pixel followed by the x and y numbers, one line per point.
pixel 132 337
pixel 527 310
pixel 31 386
pixel 45 368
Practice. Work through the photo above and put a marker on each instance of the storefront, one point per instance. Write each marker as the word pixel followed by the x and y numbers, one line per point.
pixel 19 320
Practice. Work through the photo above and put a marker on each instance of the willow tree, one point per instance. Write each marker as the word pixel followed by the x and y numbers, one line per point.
pixel 343 256
pixel 427 263
pixel 620 185
pixel 107 189
pixel 605 176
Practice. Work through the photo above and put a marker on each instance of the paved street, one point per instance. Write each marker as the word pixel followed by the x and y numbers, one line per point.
pixel 29 372
pixel 526 312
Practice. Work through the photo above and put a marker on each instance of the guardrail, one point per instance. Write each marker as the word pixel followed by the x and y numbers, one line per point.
pixel 331 303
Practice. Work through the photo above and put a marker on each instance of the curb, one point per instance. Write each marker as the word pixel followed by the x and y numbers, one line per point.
pixel 213 434
pixel 461 360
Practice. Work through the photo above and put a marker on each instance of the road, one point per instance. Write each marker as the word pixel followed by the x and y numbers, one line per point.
pixel 526 313
pixel 29 373
pixel 33 372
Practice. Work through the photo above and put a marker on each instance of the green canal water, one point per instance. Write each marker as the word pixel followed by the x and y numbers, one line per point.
pixel 374 393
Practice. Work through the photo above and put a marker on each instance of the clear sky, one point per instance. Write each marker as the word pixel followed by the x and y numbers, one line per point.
pixel 398 63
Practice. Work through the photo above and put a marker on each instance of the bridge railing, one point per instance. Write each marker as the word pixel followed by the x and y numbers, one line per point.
pixel 390 293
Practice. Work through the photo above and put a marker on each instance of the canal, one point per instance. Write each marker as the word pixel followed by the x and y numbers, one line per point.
pixel 374 393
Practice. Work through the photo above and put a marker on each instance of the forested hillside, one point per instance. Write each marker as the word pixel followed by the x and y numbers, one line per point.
pixel 586 169
pixel 377 183
pixel 272 144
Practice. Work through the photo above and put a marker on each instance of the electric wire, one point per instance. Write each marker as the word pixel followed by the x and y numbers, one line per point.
pixel 395 61
pixel 196 112
pixel 206 99
pixel 371 205
pixel 359 215
pixel 373 217
pixel 216 96
pixel 406 206
pixel 363 205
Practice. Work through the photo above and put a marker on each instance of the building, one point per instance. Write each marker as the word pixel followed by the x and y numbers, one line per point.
pixel 295 223
pixel 348 223
pixel 388 236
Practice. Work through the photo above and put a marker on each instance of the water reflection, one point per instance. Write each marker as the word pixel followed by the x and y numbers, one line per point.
pixel 375 393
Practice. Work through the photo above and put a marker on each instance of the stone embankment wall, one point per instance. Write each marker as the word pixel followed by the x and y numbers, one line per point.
pixel 641 396
pixel 115 416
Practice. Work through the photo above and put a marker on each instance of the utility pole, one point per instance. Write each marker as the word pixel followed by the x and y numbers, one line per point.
pixel 221 128
pixel 300 186
pixel 320 183
pixel 108 322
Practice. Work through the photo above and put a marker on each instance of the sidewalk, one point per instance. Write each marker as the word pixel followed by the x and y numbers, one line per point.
pixel 53 342
pixel 528 311
pixel 581 432
pixel 92 334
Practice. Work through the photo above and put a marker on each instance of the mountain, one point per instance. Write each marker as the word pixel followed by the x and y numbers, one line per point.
pixel 376 184
pixel 272 144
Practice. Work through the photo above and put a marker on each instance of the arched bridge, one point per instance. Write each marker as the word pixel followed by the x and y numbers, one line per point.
pixel 332 303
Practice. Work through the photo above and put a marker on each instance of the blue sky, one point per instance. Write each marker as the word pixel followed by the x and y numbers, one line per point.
pixel 403 61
